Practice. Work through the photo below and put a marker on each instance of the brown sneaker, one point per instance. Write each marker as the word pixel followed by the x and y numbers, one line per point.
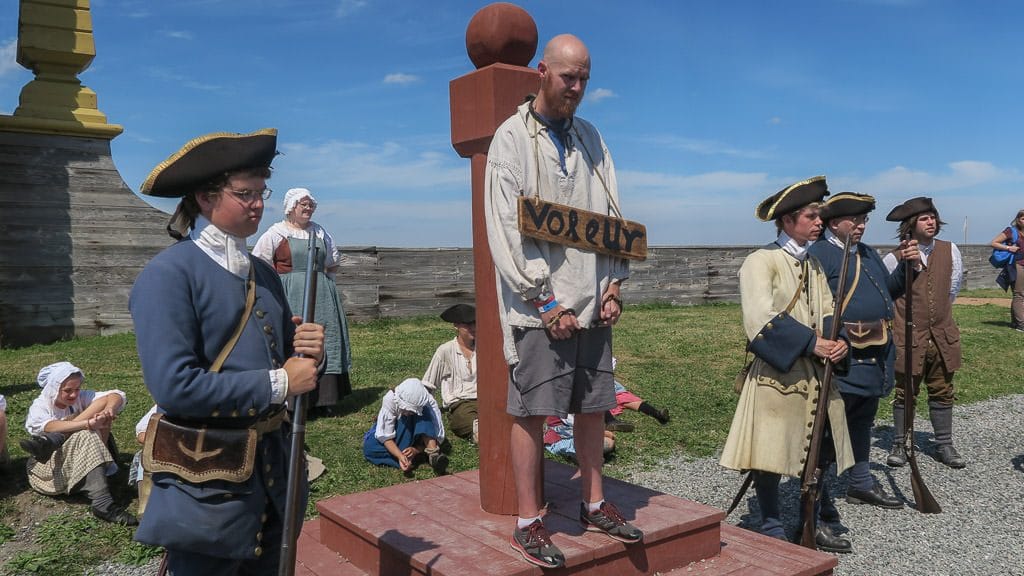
pixel 608 520
pixel 534 543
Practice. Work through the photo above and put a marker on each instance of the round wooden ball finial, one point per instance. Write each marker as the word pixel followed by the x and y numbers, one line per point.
pixel 501 32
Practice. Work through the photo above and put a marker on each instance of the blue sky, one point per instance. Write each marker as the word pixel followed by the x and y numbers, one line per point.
pixel 707 106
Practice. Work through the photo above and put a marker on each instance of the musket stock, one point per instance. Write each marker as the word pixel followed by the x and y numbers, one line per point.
pixel 292 515
pixel 811 477
pixel 926 503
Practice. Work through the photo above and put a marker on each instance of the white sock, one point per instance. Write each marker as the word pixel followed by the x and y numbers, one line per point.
pixel 522 523
pixel 591 508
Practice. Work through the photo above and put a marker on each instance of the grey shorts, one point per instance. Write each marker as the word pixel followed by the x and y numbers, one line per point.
pixel 561 377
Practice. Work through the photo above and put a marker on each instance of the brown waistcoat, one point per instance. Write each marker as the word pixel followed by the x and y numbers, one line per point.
pixel 933 314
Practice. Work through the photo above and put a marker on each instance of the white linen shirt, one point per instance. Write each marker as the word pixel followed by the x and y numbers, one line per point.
pixel 956 276
pixel 43 411
pixel 389 412
pixel 523 161
pixel 450 370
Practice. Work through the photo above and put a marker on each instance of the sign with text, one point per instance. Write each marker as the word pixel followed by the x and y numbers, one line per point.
pixel 582 229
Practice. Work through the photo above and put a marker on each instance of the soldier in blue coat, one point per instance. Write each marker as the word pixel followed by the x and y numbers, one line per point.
pixel 867 316
pixel 218 367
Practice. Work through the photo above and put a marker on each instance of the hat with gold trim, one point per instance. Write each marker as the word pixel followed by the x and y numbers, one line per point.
pixel 847 204
pixel 204 158
pixel 792 198
pixel 911 207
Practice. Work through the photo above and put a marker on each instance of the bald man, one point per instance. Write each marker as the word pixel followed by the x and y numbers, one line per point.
pixel 557 303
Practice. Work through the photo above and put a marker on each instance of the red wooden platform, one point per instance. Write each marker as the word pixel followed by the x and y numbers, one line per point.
pixel 436 527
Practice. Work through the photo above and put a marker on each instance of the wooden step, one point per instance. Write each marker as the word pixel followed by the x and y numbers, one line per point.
pixel 314 559
pixel 752 554
pixel 436 526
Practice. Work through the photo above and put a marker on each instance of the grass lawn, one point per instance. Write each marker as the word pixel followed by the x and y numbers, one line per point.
pixel 681 358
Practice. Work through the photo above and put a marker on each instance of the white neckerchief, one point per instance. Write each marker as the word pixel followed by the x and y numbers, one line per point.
pixel 792 247
pixel 839 243
pixel 226 250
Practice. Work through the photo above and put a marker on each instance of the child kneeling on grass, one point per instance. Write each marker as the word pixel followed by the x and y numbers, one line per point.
pixel 408 426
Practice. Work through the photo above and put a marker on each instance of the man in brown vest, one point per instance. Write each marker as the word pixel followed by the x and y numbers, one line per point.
pixel 936 354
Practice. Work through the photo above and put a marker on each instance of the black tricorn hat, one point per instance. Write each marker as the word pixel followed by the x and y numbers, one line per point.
pixel 460 314
pixel 847 204
pixel 910 208
pixel 792 198
pixel 204 158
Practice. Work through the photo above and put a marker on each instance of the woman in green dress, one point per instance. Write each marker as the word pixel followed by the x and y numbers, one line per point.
pixel 285 246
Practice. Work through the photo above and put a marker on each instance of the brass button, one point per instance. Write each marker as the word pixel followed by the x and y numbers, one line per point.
pixel 234 413
pixel 760 337
pixel 273 345
pixel 215 413
pixel 814 411
pixel 270 483
pixel 258 551
pixel 260 313
pixel 809 436
pixel 268 329
pixel 802 460
pixel 228 496
pixel 810 424
pixel 769 326
pixel 252 411
pixel 263 519
pixel 259 536
pixel 266 468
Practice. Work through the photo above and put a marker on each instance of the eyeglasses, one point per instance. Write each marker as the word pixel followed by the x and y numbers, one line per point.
pixel 858 220
pixel 250 196
pixel 307 204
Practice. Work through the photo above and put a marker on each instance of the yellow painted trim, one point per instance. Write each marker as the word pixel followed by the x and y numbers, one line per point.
pixel 147 185
pixel 61 127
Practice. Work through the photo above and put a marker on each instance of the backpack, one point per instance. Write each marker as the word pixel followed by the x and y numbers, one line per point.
pixel 1003 258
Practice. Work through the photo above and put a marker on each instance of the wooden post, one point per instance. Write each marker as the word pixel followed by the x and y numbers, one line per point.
pixel 501 39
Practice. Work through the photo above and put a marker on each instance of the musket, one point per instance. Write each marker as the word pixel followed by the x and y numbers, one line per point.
pixel 926 503
pixel 292 515
pixel 811 476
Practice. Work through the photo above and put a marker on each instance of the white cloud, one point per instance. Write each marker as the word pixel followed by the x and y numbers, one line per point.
pixel 178 34
pixel 9 57
pixel 400 78
pixel 599 94
pixel 961 174
pixel 348 7
pixel 775 120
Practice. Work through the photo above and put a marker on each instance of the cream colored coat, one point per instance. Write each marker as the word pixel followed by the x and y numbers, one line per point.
pixel 771 427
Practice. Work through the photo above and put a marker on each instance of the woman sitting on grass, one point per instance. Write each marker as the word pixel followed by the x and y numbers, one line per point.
pixel 71 448
pixel 405 431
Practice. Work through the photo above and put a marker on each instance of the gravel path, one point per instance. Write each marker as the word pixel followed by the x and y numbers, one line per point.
pixel 979 532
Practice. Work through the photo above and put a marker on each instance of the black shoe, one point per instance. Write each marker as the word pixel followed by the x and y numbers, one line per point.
pixel 829 542
pixel 876 497
pixel 828 512
pixel 115 515
pixel 39 447
pixel 897 456
pixel 948 455
pixel 613 424
pixel 438 462
pixel 661 416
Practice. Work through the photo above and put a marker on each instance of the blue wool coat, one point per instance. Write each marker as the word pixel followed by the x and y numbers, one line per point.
pixel 870 370
pixel 185 307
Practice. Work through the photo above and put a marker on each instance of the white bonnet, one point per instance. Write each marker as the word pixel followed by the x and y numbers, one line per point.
pixel 51 377
pixel 412 395
pixel 293 196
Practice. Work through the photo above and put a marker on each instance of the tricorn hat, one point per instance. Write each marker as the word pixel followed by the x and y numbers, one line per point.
pixel 460 314
pixel 847 204
pixel 910 208
pixel 204 158
pixel 792 198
